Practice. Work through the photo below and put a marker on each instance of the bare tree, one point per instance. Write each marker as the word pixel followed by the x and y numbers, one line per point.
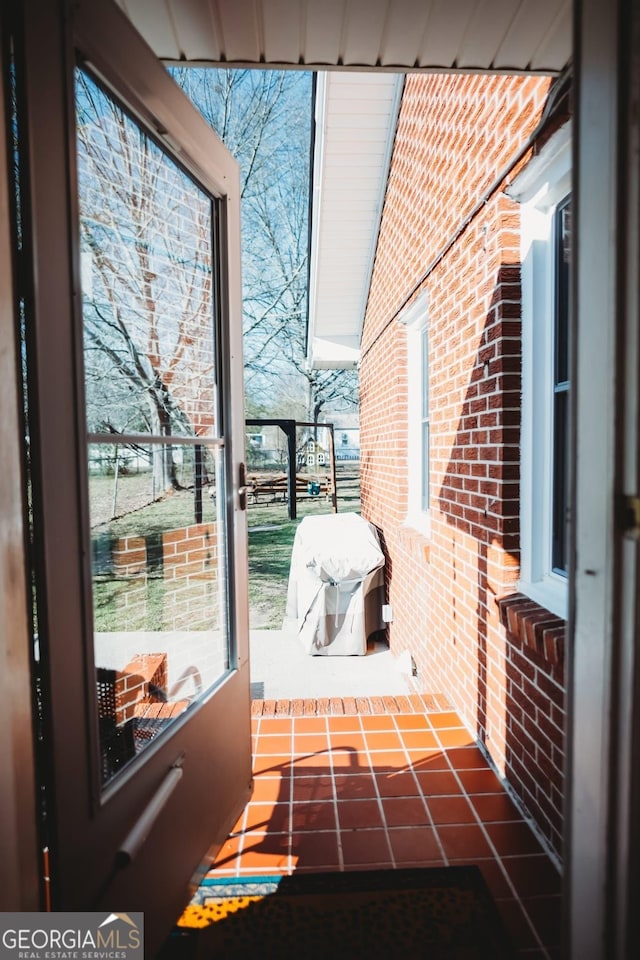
pixel 147 297
pixel 146 237
pixel 264 118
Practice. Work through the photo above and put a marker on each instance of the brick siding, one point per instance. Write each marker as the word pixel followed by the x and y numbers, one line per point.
pixel 191 552
pixel 189 572
pixel 503 672
pixel 143 678
pixel 129 556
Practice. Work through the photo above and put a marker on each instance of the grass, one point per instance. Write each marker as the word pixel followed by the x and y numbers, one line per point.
pixel 271 536
pixel 108 594
pixel 270 549
pixel 269 562
pixel 170 512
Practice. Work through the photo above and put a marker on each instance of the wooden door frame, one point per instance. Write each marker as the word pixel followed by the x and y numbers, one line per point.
pixel 51 33
pixel 604 694
pixel 20 862
pixel 603 747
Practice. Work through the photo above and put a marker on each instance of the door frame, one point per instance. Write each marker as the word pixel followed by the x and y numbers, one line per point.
pixel 20 862
pixel 596 673
pixel 603 745
pixel 52 32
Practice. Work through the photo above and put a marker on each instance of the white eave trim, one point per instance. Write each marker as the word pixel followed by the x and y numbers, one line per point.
pixel 552 165
pixel 328 346
pixel 391 138
pixel 334 355
pixel 316 195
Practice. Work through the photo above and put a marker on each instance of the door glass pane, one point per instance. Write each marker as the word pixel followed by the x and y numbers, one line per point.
pixel 156 498
pixel 147 279
pixel 159 583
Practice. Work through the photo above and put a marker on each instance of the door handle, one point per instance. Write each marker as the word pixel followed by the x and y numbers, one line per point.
pixel 130 846
pixel 242 487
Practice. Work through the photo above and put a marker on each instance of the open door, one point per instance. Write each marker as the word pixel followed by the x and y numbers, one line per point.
pixel 128 218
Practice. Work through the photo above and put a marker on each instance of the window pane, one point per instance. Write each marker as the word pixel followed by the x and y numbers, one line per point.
pixel 560 506
pixel 559 558
pixel 424 377
pixel 563 292
pixel 425 465
pixel 159 589
pixel 425 374
pixel 147 279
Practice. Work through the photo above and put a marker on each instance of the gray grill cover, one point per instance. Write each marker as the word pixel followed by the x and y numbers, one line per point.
pixel 336 584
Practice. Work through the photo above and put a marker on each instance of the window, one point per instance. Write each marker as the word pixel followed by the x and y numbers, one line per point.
pixel 562 306
pixel 424 419
pixel 543 189
pixel 418 423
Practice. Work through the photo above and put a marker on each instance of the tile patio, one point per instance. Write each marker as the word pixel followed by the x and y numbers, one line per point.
pixel 370 782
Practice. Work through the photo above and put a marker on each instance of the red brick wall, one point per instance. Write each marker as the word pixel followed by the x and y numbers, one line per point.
pixel 133 683
pixel 129 556
pixel 190 598
pixel 454 135
pixel 191 552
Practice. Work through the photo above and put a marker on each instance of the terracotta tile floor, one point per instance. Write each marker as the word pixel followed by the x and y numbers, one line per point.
pixel 407 788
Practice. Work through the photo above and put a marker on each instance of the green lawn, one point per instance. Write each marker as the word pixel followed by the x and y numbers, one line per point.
pixel 269 560
pixel 271 536
pixel 270 549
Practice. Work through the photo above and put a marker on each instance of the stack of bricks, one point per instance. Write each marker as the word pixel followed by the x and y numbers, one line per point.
pixel 139 691
pixel 143 678
pixel 454 135
pixel 350 706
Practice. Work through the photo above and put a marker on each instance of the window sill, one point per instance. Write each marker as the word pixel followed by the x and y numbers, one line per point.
pixel 419 522
pixel 535 627
pixel 552 593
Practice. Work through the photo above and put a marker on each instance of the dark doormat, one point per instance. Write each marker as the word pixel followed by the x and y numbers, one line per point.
pixel 432 913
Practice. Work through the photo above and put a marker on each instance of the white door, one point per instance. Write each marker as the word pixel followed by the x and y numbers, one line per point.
pixel 129 220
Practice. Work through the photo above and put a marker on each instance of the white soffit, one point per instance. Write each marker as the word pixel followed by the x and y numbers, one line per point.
pixel 470 35
pixel 355 133
pixel 356 117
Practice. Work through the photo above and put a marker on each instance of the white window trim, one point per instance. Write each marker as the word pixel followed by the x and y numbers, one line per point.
pixel 415 318
pixel 540 188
